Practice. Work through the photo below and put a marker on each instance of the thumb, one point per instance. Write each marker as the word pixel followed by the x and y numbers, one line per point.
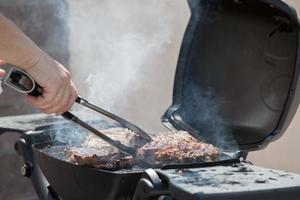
pixel 2 73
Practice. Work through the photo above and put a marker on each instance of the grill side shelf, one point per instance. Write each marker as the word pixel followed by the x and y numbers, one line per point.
pixel 23 123
pixel 236 181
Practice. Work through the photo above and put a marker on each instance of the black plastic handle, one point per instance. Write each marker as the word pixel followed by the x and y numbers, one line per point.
pixel 37 91
pixel 11 130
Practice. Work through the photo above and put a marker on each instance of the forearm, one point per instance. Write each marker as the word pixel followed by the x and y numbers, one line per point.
pixel 15 47
pixel 58 90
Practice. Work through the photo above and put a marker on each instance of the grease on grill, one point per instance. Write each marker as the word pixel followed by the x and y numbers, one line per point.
pixel 260 181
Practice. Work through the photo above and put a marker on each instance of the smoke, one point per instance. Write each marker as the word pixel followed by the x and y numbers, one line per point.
pixel 203 111
pixel 111 44
pixel 70 135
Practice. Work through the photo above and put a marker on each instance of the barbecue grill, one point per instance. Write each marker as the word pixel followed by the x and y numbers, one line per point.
pixel 236 86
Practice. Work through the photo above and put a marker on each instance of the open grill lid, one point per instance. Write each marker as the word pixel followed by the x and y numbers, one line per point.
pixel 237 75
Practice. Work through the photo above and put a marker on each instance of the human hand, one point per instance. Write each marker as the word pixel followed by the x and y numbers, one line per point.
pixel 59 92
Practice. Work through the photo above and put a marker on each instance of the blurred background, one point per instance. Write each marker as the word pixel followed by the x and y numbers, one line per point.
pixel 123 56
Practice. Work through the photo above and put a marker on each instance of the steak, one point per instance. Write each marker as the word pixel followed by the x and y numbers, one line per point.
pixel 102 158
pixel 175 148
pixel 168 148
pixel 95 152
pixel 125 136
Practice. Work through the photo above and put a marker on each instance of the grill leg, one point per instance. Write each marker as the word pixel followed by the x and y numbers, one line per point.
pixel 33 171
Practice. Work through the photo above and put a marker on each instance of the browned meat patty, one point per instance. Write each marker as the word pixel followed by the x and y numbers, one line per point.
pixel 177 147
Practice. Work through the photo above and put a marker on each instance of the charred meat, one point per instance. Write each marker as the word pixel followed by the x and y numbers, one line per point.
pixel 99 158
pixel 125 136
pixel 95 152
pixel 177 147
pixel 168 148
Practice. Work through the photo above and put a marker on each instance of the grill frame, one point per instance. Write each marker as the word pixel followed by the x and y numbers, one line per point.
pixel 65 177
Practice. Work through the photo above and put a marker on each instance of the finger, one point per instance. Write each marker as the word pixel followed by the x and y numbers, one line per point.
pixel 70 101
pixel 34 101
pixel 53 91
pixel 2 73
pixel 67 72
pixel 74 89
pixel 55 96
pixel 62 103
pixel 57 99
pixel 51 98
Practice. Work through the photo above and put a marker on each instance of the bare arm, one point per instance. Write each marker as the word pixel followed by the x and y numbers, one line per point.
pixel 15 47
pixel 59 92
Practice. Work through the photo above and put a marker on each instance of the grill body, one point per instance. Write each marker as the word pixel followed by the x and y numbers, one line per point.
pixel 74 182
pixel 54 178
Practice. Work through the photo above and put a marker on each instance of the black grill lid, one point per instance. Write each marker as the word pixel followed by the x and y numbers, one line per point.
pixel 237 73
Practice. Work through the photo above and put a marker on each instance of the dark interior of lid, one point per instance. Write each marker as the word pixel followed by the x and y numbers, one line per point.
pixel 235 71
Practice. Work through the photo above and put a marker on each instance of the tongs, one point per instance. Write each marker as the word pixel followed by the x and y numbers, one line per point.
pixel 130 150
pixel 24 83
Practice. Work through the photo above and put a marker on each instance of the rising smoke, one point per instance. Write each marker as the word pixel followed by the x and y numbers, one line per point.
pixel 112 45
pixel 204 112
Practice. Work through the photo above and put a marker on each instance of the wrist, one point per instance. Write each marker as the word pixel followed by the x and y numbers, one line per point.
pixel 41 68
pixel 30 60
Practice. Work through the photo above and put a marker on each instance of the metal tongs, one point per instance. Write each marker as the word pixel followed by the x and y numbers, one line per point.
pixel 123 122
pixel 22 82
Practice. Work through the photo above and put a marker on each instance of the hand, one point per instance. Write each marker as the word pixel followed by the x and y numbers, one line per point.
pixel 59 92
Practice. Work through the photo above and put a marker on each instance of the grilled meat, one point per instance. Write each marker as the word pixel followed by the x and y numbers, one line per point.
pixel 125 136
pixel 95 152
pixel 172 148
pixel 177 147
pixel 99 158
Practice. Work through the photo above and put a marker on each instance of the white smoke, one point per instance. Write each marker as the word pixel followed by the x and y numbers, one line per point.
pixel 112 46
pixel 111 43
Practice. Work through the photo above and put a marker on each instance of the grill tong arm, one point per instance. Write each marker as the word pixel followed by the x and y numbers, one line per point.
pixel 132 151
pixel 116 118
